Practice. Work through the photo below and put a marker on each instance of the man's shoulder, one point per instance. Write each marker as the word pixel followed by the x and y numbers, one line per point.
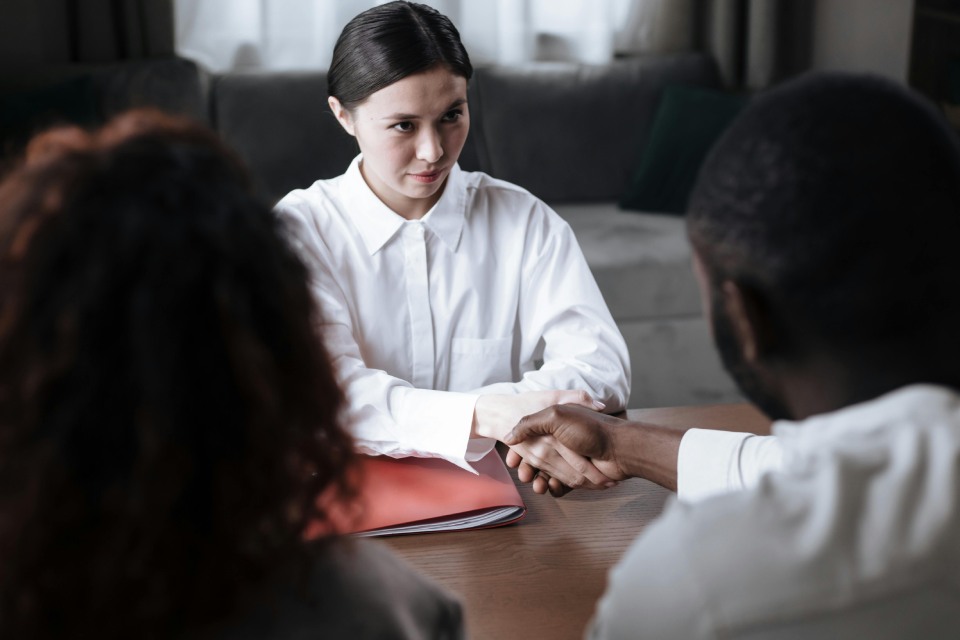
pixel 796 551
pixel 721 563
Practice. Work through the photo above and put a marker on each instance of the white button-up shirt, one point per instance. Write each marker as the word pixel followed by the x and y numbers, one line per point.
pixel 487 293
pixel 858 536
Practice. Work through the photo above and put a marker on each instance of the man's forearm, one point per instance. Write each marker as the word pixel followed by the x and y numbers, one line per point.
pixel 648 451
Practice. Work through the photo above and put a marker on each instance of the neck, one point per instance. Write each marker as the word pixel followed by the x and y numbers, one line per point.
pixel 823 384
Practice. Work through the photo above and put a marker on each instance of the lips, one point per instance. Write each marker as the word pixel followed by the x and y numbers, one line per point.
pixel 427 177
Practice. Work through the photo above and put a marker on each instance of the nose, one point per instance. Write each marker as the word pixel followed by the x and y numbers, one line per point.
pixel 429 145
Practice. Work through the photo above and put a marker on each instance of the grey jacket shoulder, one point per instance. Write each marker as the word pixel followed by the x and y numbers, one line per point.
pixel 358 589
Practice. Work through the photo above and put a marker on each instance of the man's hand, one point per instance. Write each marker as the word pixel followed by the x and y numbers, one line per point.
pixel 536 463
pixel 495 415
pixel 575 429
pixel 618 448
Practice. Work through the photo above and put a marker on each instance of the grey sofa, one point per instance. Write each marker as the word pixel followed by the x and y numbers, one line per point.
pixel 571 134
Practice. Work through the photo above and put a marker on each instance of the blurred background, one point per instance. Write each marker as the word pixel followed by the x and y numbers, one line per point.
pixel 755 42
pixel 874 35
pixel 602 108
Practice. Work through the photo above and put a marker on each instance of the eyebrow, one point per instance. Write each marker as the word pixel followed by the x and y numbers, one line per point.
pixel 412 116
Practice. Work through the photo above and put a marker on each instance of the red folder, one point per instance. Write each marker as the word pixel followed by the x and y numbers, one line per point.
pixel 420 495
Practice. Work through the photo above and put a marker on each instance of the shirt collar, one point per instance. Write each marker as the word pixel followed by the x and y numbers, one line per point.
pixel 446 217
pixel 377 223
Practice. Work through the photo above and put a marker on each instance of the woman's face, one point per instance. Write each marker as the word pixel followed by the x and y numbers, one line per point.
pixel 410 134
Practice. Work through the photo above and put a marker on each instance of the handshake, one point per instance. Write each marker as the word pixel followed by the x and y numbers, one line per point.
pixel 559 441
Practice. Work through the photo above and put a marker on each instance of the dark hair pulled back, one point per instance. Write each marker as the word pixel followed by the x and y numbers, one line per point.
pixel 388 43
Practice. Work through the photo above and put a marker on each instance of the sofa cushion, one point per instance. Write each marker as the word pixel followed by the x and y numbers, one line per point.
pixel 281 126
pixel 571 132
pixel 689 120
pixel 641 261
pixel 673 363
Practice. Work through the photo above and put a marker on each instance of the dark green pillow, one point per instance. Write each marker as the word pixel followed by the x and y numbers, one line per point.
pixel 953 80
pixel 687 123
pixel 24 113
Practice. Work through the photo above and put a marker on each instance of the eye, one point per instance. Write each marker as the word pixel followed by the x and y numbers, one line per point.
pixel 406 126
pixel 453 115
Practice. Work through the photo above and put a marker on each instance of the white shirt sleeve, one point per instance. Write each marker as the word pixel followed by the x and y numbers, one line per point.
pixel 711 462
pixel 561 305
pixel 652 592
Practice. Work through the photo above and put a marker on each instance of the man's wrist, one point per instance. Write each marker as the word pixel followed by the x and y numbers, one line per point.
pixel 648 451
pixel 627 442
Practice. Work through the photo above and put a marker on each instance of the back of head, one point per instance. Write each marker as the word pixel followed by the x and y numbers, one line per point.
pixel 390 42
pixel 838 197
pixel 168 416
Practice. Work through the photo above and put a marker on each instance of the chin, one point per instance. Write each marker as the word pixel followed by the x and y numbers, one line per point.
pixel 748 379
pixel 425 191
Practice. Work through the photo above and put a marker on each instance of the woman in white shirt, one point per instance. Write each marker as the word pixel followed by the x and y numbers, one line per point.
pixel 454 303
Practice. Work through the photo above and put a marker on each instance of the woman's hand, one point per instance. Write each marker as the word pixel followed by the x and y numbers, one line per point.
pixel 540 481
pixel 555 466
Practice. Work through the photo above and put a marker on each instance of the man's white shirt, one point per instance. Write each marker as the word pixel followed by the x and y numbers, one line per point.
pixel 856 536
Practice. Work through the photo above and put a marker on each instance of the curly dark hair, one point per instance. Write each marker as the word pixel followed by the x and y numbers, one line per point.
pixel 168 415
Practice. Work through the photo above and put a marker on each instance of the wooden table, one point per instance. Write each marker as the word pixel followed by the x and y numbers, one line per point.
pixel 542 577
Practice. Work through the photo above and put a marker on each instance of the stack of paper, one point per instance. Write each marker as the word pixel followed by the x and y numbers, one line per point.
pixel 419 495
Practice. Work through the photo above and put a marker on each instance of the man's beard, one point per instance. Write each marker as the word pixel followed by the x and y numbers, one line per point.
pixel 746 377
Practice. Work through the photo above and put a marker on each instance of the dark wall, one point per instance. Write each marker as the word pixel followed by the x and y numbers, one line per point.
pixel 33 32
pixel 36 32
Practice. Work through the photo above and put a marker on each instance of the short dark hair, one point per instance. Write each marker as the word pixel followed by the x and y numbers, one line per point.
pixel 388 43
pixel 838 196
pixel 168 415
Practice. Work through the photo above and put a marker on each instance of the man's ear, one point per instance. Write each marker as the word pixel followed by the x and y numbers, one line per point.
pixel 342 115
pixel 749 314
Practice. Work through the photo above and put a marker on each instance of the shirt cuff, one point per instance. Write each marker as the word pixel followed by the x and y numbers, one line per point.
pixel 444 420
pixel 711 462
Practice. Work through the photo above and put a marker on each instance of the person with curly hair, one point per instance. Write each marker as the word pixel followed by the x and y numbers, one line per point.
pixel 168 417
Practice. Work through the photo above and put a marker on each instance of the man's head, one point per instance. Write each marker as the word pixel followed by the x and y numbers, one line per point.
pixel 826 224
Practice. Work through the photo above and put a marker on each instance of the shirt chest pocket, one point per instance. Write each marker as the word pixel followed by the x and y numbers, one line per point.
pixel 476 362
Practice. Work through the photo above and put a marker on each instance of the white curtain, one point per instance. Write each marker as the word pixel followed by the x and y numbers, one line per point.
pixel 226 35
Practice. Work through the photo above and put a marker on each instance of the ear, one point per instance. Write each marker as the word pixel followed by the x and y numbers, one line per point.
pixel 749 314
pixel 342 115
pixel 703 281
